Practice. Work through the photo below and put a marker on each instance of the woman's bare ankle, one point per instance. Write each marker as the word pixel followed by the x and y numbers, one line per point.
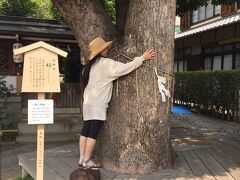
pixel 86 159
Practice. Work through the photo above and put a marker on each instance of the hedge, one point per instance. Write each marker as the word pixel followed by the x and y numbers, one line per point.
pixel 212 92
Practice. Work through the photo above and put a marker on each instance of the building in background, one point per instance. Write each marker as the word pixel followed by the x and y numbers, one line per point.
pixel 209 39
pixel 19 31
pixel 24 31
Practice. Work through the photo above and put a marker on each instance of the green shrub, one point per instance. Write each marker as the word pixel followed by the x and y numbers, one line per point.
pixel 28 177
pixel 9 136
pixel 4 94
pixel 214 92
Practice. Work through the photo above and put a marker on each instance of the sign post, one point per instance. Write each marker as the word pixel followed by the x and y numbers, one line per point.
pixel 40 146
pixel 40 75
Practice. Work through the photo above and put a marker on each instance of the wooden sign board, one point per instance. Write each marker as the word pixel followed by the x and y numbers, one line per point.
pixel 40 71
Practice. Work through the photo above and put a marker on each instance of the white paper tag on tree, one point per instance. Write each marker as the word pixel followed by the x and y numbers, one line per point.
pixel 40 111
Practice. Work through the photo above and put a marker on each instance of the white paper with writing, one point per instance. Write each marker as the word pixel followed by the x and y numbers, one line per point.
pixel 40 111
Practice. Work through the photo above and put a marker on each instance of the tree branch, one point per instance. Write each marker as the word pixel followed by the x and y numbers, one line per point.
pixel 88 20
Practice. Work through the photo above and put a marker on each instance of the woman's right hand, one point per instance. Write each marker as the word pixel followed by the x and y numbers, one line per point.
pixel 149 55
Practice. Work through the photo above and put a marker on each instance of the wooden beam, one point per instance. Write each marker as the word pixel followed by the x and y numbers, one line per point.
pixel 38 45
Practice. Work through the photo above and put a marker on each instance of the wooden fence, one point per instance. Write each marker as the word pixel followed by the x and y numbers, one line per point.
pixel 69 97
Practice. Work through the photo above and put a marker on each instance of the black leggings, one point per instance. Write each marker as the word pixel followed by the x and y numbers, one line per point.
pixel 91 128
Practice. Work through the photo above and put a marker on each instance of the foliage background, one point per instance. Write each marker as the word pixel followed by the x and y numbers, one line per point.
pixel 6 118
pixel 30 8
pixel 209 91
pixel 46 10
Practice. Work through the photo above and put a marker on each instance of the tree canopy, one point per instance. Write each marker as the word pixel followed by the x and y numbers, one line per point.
pixel 181 8
pixel 29 8
pixel 45 9
pixel 23 8
pixel 110 7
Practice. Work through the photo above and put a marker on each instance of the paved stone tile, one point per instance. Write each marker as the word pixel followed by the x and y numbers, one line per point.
pixel 222 130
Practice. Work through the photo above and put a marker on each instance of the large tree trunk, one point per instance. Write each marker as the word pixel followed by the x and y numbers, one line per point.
pixel 136 135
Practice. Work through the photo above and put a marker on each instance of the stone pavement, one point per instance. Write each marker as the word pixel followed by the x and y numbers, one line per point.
pixel 208 126
pixel 187 130
pixel 10 169
pixel 202 130
pixel 193 162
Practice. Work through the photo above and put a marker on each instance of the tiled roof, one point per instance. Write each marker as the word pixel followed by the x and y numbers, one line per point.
pixel 212 25
pixel 36 27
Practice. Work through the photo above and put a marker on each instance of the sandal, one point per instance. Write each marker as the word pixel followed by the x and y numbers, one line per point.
pixel 91 164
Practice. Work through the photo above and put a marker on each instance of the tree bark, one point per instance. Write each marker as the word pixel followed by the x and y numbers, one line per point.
pixel 121 14
pixel 136 136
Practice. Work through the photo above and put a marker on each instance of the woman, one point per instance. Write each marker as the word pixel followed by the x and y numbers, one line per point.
pixel 98 76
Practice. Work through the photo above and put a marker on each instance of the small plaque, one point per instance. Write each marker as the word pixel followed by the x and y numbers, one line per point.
pixel 40 111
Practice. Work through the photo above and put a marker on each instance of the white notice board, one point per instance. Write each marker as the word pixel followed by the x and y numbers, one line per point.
pixel 40 111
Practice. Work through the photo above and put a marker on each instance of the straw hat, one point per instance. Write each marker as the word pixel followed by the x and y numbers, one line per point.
pixel 97 45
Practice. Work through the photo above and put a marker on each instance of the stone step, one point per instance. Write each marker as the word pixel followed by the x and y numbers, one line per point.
pixel 55 115
pixel 49 137
pixel 67 124
pixel 61 119
pixel 59 126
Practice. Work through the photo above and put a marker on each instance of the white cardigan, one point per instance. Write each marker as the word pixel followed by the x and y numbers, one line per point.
pixel 98 92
